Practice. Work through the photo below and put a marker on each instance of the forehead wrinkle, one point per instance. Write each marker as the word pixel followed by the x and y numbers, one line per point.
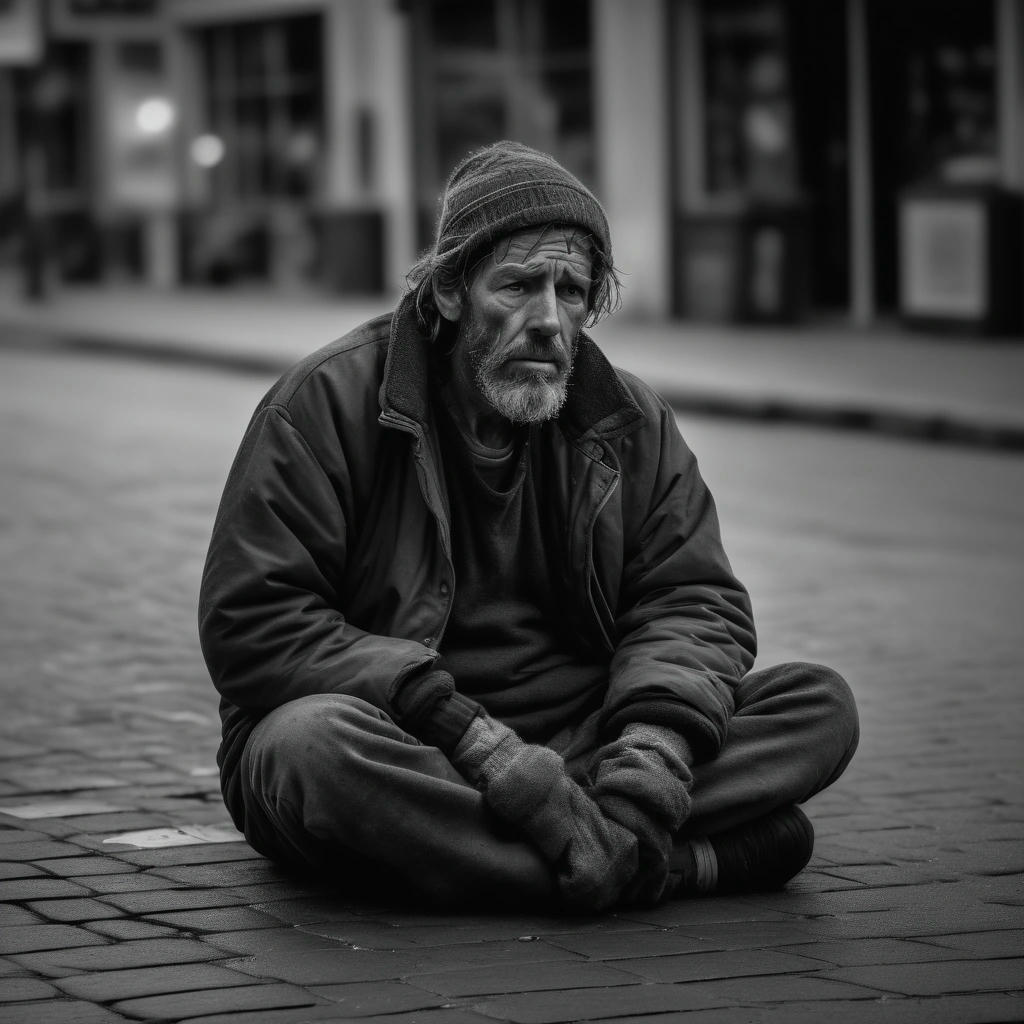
pixel 562 264
pixel 568 240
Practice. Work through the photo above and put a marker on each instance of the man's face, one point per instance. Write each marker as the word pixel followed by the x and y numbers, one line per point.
pixel 520 319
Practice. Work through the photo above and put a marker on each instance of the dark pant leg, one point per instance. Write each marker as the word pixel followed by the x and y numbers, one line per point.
pixel 793 733
pixel 330 782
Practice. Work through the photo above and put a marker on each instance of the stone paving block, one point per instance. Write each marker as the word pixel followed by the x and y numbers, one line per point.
pixel 18 835
pixel 108 986
pixel 138 881
pixel 76 910
pixel 332 1013
pixel 58 1011
pixel 201 853
pixel 377 934
pixel 28 938
pixel 17 990
pixel 875 951
pixel 41 849
pixel 73 867
pixel 122 928
pixel 918 922
pixel 208 1001
pixel 897 874
pixel 39 888
pixel 733 963
pixel 118 956
pixel 219 919
pixel 379 997
pixel 263 941
pixel 113 823
pixel 1009 942
pixel 443 1015
pixel 615 946
pixel 228 873
pixel 861 900
pixel 578 1004
pixel 844 854
pixel 268 892
pixel 517 978
pixel 677 913
pixel 985 1009
pixel 938 978
pixel 810 882
pixel 345 964
pixel 159 900
pixel 12 915
pixel 739 935
pixel 17 869
pixel 369 934
pixel 308 909
pixel 786 988
pixel 1008 889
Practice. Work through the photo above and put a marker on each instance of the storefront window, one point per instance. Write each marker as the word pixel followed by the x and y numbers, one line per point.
pixel 951 108
pixel 264 103
pixel 61 107
pixel 750 149
pixel 493 69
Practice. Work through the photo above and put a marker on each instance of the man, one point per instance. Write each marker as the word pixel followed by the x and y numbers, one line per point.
pixel 467 606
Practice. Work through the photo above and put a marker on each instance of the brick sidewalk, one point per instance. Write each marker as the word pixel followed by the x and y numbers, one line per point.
pixel 900 565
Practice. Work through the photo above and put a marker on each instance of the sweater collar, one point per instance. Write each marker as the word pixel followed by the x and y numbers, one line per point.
pixel 598 401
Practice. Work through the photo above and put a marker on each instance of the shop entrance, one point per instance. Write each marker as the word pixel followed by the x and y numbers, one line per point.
pixel 817 35
pixel 933 109
pixel 764 228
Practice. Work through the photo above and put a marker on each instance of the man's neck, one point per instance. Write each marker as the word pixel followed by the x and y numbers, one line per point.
pixel 487 426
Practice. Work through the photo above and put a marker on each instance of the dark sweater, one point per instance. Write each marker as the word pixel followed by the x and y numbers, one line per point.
pixel 504 643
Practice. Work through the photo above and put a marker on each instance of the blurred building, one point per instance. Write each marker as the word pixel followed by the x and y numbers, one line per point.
pixel 758 159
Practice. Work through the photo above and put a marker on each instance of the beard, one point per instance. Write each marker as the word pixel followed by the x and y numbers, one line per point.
pixel 519 394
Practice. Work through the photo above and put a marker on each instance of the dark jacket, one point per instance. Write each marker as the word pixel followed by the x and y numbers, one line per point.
pixel 329 569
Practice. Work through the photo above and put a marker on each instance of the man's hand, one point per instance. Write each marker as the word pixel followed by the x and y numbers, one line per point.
pixel 643 782
pixel 592 857
pixel 427 705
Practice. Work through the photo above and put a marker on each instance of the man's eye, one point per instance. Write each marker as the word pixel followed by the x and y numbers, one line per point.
pixel 515 287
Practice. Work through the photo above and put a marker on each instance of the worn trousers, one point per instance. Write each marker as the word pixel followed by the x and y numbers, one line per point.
pixel 331 783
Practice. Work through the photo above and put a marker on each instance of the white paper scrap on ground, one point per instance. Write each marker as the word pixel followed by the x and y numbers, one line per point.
pixel 184 835
pixel 60 809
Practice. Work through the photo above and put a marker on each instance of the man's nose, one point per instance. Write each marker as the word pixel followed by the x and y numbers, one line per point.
pixel 544 314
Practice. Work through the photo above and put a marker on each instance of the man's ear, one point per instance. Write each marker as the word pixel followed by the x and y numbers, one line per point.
pixel 448 301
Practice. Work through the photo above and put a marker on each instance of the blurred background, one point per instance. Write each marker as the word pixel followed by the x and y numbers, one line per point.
pixel 767 161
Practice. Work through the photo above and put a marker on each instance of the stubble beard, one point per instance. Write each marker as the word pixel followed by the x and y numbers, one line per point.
pixel 528 396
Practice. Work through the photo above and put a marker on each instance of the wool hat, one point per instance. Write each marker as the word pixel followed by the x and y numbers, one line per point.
pixel 505 187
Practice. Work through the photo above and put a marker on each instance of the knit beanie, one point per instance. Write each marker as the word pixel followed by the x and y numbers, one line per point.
pixel 505 187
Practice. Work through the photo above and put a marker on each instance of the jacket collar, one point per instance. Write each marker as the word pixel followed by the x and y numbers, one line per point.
pixel 598 401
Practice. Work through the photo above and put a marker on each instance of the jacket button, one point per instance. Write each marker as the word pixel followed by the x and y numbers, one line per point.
pixel 444 588
pixel 427 640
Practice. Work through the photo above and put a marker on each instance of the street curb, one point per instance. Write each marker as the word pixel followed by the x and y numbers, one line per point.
pixel 936 428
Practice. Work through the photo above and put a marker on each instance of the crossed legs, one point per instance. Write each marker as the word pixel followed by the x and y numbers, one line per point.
pixel 330 782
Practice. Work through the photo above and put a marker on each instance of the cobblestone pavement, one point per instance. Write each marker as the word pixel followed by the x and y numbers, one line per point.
pixel 898 563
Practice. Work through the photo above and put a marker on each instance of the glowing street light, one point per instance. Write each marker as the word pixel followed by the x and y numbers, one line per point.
pixel 154 115
pixel 207 150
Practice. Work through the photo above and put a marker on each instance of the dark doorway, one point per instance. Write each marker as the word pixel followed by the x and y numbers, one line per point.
pixel 933 108
pixel 818 62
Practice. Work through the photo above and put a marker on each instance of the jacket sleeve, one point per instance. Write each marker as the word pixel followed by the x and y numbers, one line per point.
pixel 684 628
pixel 272 618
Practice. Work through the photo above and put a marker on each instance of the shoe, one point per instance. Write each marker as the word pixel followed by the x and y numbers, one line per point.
pixel 760 855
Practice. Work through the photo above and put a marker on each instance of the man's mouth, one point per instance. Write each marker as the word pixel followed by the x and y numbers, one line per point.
pixel 546 363
pixel 530 365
